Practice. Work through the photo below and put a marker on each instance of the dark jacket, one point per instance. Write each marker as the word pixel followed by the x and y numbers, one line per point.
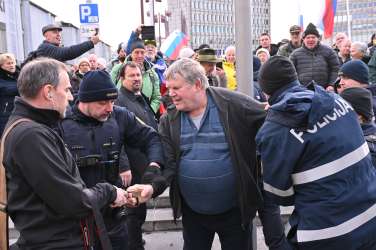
pixel 319 64
pixel 241 117
pixel 120 129
pixel 273 49
pixel 8 91
pixel 314 156
pixel 286 49
pixel 139 106
pixel 62 54
pixel 369 132
pixel 46 197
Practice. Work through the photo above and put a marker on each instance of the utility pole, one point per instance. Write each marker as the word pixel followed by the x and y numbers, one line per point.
pixel 244 61
pixel 243 42
pixel 142 11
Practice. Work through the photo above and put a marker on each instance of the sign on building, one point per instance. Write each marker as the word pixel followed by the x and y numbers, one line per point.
pixel 89 19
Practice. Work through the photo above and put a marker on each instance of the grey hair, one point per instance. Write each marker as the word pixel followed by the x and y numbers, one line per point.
pixel 190 70
pixel 231 47
pixel 359 46
pixel 37 73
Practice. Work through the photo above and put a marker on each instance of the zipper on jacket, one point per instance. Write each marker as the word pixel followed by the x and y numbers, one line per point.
pixel 5 108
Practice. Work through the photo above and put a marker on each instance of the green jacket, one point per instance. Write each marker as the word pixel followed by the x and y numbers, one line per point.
pixel 150 83
pixel 372 69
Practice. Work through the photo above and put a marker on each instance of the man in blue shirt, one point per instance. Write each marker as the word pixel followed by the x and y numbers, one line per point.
pixel 208 138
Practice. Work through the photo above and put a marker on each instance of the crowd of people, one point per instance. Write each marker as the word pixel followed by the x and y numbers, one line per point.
pixel 109 136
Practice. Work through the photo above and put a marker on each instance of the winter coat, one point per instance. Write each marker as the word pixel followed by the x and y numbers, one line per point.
pixel 47 49
pixel 46 195
pixel 319 64
pixel 241 117
pixel 8 91
pixel 286 49
pixel 369 132
pixel 314 156
pixel 229 69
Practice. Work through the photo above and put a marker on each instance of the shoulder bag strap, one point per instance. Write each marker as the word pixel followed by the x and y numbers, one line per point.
pixel 4 240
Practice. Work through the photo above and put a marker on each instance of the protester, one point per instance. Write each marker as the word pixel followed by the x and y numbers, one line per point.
pixel 51 46
pixel 266 43
pixel 150 79
pixel 358 51
pixel 208 59
pixel 294 43
pixel 339 38
pixel 209 145
pixel 263 55
pixel 8 87
pixel 76 79
pixel 229 67
pixel 130 96
pixel 344 52
pixel 121 55
pixel 93 60
pixel 315 61
pixel 314 156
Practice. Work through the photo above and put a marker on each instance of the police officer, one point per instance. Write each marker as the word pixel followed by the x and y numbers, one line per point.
pixel 95 131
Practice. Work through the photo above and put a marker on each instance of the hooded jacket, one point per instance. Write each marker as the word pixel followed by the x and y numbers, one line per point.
pixel 314 156
pixel 8 91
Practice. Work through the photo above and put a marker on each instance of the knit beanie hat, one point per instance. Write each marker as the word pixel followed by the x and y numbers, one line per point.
pixel 97 85
pixel 275 73
pixel 356 70
pixel 138 44
pixel 361 100
pixel 311 30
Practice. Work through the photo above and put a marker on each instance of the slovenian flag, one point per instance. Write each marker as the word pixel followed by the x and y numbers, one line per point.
pixel 319 12
pixel 173 43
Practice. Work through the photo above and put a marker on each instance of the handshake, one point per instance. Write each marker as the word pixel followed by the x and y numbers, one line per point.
pixel 133 196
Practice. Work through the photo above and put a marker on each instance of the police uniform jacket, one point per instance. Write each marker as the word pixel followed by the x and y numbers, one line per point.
pixel 314 156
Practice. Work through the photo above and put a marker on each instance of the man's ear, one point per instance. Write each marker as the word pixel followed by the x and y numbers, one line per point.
pixel 198 84
pixel 46 91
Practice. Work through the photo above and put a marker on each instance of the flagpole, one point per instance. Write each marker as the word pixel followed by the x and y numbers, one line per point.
pixel 348 19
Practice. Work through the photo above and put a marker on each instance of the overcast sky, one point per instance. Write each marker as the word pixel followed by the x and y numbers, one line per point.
pixel 119 17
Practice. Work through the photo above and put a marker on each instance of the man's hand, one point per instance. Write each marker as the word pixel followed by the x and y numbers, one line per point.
pixel 142 192
pixel 126 178
pixel 138 30
pixel 95 39
pixel 121 198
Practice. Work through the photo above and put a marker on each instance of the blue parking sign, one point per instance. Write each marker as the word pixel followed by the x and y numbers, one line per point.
pixel 89 13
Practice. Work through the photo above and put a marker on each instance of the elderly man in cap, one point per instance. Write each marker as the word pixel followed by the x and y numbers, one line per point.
pixel 95 132
pixel 51 46
pixel 314 156
pixel 315 61
pixel 294 43
pixel 208 59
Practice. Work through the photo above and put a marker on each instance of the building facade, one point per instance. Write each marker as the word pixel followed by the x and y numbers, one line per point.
pixel 213 21
pixel 21 23
pixel 358 21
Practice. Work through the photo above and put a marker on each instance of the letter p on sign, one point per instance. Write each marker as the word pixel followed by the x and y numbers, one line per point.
pixel 89 13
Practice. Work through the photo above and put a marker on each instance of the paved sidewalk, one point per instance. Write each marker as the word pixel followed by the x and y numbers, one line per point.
pixel 173 240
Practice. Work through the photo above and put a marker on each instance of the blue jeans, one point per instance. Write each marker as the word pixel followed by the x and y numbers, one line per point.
pixel 199 230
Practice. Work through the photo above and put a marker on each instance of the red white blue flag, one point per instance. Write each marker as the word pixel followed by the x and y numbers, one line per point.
pixel 173 43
